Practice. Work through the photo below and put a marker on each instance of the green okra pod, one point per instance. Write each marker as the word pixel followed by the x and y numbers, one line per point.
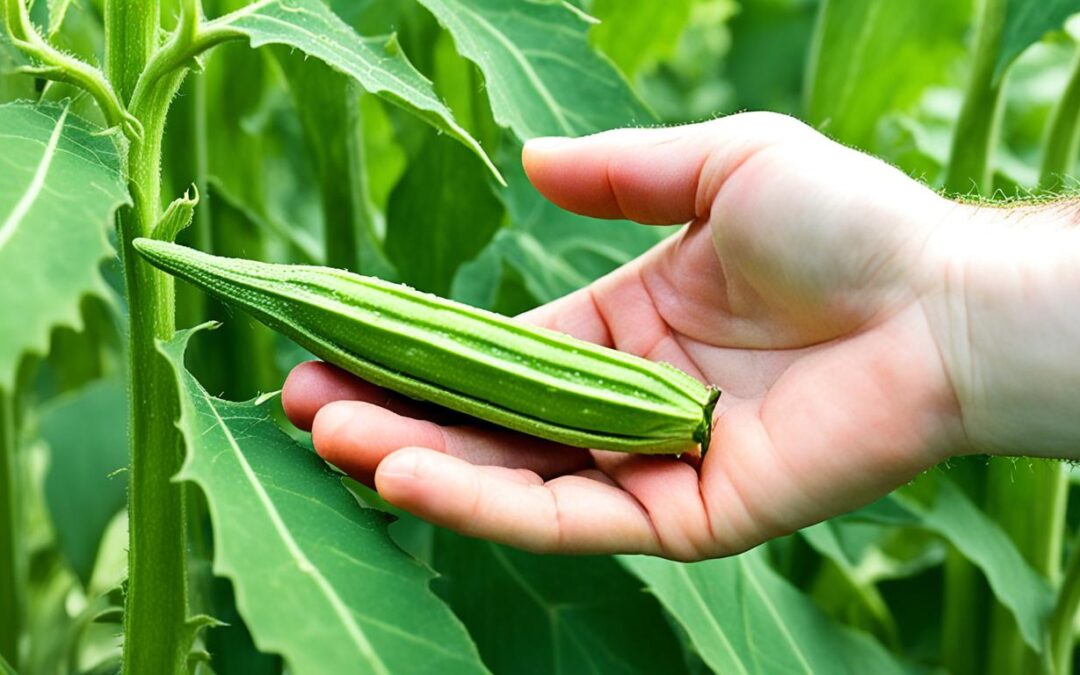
pixel 475 362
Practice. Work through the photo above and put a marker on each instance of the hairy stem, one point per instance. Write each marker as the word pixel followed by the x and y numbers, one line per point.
pixel 970 161
pixel 12 567
pixel 157 637
pixel 52 64
pixel 131 37
pixel 1063 136
pixel 156 604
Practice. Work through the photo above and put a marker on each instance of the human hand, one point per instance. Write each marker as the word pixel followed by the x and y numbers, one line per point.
pixel 800 288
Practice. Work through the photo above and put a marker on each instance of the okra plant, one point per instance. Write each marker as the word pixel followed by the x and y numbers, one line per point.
pixel 148 524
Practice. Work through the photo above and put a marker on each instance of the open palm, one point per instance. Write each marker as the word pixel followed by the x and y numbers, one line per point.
pixel 798 288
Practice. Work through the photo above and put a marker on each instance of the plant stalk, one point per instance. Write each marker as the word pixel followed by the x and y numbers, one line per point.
pixel 1063 136
pixel 1062 621
pixel 156 635
pixel 131 36
pixel 971 167
pixel 1037 531
pixel 156 604
pixel 12 565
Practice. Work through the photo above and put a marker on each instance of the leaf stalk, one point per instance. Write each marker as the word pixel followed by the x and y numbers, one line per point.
pixel 52 64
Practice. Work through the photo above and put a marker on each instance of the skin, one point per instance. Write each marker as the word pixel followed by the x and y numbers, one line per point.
pixel 862 328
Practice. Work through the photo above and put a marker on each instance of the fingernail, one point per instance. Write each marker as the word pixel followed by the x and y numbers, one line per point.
pixel 547 142
pixel 400 464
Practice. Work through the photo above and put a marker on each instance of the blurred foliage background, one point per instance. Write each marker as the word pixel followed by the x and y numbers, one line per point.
pixel 970 569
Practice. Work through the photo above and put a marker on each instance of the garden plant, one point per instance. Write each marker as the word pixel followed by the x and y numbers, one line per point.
pixel 158 514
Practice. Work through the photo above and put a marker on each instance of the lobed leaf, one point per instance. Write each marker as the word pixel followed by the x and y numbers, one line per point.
pixel 377 63
pixel 543 78
pixel 317 579
pixel 62 186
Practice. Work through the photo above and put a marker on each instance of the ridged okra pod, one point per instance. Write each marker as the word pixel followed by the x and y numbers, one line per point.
pixel 475 362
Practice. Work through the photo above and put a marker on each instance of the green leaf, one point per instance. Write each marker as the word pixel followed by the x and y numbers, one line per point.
pixel 441 215
pixel 5 668
pixel 543 78
pixel 745 618
pixel 317 578
pixel 637 33
pixel 953 516
pixel 874 57
pixel 61 186
pixel 377 63
pixel 533 614
pixel 1026 21
pixel 14 86
pixel 1016 585
pixel 87 436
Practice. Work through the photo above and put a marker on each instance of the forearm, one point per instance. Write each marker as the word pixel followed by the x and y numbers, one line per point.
pixel 1006 316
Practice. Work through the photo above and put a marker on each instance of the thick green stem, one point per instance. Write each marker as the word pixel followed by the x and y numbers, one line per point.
pixel 131 36
pixel 977 129
pixel 156 634
pixel 1063 136
pixel 155 629
pixel 12 565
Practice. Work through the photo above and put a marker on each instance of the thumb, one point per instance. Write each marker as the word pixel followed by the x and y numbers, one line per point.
pixel 664 176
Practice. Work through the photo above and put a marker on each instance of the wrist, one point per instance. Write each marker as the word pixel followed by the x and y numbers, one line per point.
pixel 1005 314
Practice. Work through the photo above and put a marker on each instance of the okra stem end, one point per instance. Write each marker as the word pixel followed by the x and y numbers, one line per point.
pixel 704 433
